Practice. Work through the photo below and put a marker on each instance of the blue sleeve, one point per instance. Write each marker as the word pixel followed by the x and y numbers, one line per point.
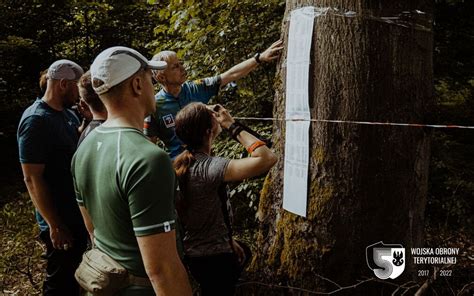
pixel 33 140
pixel 202 90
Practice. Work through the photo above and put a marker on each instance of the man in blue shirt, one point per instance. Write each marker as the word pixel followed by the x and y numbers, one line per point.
pixel 176 92
pixel 47 139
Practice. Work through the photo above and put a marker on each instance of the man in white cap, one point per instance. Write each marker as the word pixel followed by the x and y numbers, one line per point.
pixel 124 184
pixel 47 139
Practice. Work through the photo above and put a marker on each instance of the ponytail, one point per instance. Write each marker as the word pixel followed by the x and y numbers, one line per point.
pixel 181 165
pixel 191 125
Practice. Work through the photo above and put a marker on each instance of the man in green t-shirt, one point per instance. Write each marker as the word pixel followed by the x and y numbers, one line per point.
pixel 125 184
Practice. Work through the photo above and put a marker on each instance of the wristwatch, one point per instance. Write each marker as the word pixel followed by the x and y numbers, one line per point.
pixel 234 129
pixel 257 58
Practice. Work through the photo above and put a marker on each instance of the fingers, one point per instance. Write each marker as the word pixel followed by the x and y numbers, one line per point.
pixel 239 252
pixel 216 108
pixel 276 43
pixel 61 239
pixel 240 255
pixel 272 52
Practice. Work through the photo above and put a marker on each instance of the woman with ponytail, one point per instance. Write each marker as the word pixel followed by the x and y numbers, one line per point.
pixel 213 257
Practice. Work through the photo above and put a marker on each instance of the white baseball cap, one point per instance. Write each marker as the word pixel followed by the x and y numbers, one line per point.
pixel 64 69
pixel 118 63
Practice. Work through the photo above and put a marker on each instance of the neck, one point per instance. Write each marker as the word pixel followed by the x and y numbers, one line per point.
pixel 54 101
pixel 206 148
pixel 98 115
pixel 173 90
pixel 124 113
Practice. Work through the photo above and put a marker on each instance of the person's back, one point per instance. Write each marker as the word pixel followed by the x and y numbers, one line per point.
pixel 108 169
pixel 213 256
pixel 206 233
pixel 124 184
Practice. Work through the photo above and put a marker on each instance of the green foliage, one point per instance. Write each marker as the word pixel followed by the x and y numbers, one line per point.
pixel 20 263
pixel 452 162
pixel 212 36
pixel 35 33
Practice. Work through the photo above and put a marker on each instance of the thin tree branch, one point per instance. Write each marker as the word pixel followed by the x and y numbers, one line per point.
pixel 404 287
pixel 424 288
pixel 464 287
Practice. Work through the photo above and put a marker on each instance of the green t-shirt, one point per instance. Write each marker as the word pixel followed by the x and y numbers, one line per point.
pixel 127 186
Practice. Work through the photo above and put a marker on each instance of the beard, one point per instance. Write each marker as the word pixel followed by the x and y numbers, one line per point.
pixel 70 98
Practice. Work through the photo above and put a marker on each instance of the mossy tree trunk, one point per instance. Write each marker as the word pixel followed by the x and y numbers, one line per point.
pixel 366 183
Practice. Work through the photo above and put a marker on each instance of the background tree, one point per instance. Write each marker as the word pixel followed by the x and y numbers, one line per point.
pixel 366 183
pixel 211 36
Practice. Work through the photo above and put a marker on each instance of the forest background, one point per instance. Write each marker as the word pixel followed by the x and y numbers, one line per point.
pixel 210 37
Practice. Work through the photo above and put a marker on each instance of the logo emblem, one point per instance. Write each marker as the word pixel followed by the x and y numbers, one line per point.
pixel 168 120
pixel 386 260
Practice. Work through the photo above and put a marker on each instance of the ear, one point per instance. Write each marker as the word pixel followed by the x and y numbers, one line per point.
pixel 161 77
pixel 63 84
pixel 137 85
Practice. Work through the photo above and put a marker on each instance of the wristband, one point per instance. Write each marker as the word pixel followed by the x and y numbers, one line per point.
pixel 235 129
pixel 257 58
pixel 255 145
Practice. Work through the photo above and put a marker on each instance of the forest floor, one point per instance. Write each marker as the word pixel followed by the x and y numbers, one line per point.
pixel 21 265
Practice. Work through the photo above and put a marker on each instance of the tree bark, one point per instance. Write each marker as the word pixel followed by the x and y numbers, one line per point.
pixel 366 183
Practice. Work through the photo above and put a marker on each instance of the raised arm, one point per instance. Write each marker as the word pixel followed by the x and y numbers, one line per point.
pixel 241 70
pixel 162 264
pixel 261 157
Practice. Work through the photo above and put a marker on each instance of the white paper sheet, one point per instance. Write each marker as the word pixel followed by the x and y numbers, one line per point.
pixel 295 179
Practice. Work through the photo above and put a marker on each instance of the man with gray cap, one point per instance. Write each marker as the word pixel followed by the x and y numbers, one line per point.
pixel 47 138
pixel 124 184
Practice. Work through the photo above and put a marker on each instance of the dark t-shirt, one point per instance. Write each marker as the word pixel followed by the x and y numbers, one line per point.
pixel 47 136
pixel 203 219
pixel 90 127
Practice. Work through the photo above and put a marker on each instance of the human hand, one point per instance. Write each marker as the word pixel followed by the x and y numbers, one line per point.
pixel 272 52
pixel 61 238
pixel 239 252
pixel 84 110
pixel 222 115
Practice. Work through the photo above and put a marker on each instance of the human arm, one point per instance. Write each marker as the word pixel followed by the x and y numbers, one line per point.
pixel 88 222
pixel 86 113
pixel 153 218
pixel 162 264
pixel 260 160
pixel 41 197
pixel 152 139
pixel 244 68
pixel 239 251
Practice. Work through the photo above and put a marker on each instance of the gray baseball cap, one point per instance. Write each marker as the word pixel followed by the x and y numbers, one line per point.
pixel 64 69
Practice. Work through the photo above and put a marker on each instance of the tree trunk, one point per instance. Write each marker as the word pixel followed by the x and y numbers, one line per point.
pixel 366 183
